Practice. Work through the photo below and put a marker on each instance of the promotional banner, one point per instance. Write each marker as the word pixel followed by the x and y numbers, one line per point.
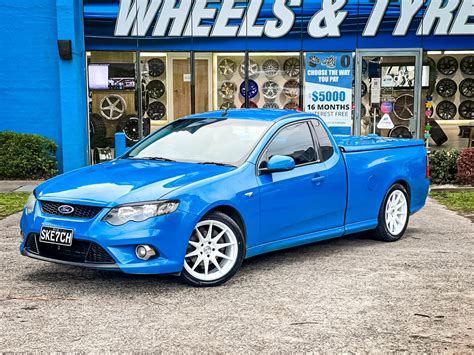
pixel 328 87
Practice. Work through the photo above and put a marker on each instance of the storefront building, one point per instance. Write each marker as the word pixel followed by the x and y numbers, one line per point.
pixel 365 66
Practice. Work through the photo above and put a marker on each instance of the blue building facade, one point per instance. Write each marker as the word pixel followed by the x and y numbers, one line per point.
pixel 197 43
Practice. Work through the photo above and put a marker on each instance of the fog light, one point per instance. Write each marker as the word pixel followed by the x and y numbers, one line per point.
pixel 144 252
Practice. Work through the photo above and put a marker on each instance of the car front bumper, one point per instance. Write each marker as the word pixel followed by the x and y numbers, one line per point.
pixel 168 235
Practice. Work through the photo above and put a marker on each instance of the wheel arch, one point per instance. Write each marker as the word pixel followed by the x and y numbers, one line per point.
pixel 233 213
pixel 406 185
pixel 402 182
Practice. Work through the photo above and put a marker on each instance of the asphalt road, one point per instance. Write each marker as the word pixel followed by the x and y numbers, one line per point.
pixel 344 295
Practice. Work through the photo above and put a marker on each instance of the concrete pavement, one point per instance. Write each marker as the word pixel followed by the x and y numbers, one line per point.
pixel 345 295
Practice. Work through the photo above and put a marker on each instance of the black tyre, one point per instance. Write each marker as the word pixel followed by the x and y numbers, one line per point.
pixel 394 215
pixel 215 251
pixel 97 131
pixel 129 126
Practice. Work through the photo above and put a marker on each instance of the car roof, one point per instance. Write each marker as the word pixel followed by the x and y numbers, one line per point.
pixel 251 114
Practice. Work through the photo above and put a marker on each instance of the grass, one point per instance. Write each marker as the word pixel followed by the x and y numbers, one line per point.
pixel 462 201
pixel 12 202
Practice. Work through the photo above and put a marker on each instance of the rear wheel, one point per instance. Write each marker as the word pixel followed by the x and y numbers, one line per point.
pixel 394 215
pixel 215 251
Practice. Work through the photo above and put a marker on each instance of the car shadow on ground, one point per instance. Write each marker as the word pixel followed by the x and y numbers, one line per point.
pixel 77 280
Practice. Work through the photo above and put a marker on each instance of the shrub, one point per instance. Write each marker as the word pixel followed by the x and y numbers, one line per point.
pixel 443 167
pixel 27 156
pixel 466 166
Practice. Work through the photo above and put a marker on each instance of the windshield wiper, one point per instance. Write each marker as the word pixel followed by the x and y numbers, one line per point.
pixel 151 158
pixel 216 163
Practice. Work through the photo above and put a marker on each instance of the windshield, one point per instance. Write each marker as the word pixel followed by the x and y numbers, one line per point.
pixel 208 140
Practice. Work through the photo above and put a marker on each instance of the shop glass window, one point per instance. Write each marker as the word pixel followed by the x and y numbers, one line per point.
pixel 397 88
pixel 451 89
pixel 274 80
pixel 294 141
pixel 112 97
pixel 165 88
pixel 229 69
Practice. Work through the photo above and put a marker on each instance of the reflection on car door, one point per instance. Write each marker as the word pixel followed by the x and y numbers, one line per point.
pixel 292 202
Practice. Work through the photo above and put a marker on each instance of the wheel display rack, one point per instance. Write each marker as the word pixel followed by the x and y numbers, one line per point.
pixel 155 85
pixel 273 81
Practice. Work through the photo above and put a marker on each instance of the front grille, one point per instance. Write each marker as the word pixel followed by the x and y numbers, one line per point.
pixel 80 211
pixel 81 251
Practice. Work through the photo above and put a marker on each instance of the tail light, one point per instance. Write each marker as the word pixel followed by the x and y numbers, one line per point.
pixel 427 174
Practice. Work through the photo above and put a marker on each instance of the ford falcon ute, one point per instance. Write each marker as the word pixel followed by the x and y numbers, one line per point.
pixel 206 191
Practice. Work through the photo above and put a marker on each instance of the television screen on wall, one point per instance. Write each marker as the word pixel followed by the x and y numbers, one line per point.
pixel 113 76
pixel 403 76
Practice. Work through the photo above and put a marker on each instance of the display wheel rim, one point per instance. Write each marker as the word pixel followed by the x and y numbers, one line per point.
pixel 446 110
pixel 467 65
pixel 447 65
pixel 446 87
pixel 404 104
pixel 156 109
pixel 466 110
pixel 115 105
pixel 156 67
pixel 271 67
pixel 227 67
pixel 466 87
pixel 291 67
pixel 270 90
pixel 227 90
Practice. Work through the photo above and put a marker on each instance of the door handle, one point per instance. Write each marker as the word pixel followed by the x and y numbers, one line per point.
pixel 318 179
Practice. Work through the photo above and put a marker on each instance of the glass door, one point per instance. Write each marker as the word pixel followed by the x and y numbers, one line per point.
pixel 388 86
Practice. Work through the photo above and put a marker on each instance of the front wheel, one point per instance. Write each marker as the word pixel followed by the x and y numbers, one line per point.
pixel 215 251
pixel 394 215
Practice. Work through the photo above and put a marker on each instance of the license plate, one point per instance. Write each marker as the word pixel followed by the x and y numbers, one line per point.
pixel 54 235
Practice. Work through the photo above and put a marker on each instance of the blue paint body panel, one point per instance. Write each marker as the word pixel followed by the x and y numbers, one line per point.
pixel 312 202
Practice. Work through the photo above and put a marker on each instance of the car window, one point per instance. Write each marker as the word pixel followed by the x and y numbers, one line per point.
pixel 295 141
pixel 325 144
pixel 217 140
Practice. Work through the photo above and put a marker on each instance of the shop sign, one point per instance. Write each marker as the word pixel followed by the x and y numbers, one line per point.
pixel 386 107
pixel 227 18
pixel 385 122
pixel 328 87
pixel 374 91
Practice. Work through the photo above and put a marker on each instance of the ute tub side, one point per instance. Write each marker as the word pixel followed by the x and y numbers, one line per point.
pixel 373 167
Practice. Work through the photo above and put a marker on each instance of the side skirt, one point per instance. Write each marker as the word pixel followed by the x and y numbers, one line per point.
pixel 295 241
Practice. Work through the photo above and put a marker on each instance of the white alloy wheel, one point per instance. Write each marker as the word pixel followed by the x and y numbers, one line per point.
pixel 212 251
pixel 396 212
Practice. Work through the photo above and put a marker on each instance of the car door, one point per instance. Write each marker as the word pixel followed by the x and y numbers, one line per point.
pixel 292 202
pixel 335 184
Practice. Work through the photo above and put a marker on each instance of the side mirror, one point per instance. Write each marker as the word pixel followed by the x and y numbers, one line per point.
pixel 279 163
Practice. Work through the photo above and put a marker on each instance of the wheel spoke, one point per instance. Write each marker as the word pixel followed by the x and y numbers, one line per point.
pixel 198 232
pixel 224 245
pixel 206 266
pixel 193 243
pixel 218 236
pixel 209 232
pixel 215 263
pixel 193 253
pixel 222 255
pixel 197 262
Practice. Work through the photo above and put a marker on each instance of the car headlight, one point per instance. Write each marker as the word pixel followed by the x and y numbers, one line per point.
pixel 30 203
pixel 139 212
